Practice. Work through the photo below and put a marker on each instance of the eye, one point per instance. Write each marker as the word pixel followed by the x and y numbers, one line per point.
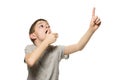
pixel 41 26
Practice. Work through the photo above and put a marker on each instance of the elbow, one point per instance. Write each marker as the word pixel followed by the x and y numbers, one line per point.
pixel 30 62
pixel 81 48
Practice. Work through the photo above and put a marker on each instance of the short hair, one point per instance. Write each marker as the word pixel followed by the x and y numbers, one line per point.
pixel 32 28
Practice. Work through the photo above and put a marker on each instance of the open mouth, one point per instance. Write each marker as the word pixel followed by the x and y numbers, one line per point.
pixel 46 31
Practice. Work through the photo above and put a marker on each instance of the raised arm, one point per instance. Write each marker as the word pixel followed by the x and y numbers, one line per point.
pixel 94 25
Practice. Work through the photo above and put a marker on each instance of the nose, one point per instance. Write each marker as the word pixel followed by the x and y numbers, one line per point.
pixel 47 26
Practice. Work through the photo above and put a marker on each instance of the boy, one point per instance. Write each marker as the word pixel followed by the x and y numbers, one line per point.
pixel 43 58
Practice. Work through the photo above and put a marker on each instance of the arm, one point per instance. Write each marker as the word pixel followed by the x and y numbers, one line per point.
pixel 33 57
pixel 94 24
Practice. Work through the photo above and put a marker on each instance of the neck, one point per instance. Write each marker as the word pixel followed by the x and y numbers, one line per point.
pixel 37 42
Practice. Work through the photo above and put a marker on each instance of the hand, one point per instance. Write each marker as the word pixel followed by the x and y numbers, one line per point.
pixel 51 37
pixel 95 21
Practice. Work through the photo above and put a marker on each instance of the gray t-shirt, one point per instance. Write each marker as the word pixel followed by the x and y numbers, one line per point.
pixel 47 67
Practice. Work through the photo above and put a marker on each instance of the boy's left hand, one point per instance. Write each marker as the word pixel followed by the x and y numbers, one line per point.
pixel 95 21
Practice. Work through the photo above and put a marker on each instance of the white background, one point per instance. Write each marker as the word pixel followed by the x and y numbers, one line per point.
pixel 99 60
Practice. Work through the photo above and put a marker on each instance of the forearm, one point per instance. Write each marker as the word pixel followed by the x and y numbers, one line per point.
pixel 94 25
pixel 36 54
pixel 80 44
pixel 84 40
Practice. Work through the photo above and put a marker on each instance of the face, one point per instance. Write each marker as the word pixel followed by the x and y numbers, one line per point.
pixel 41 29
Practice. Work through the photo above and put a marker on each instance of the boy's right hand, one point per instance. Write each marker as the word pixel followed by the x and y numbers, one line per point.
pixel 51 37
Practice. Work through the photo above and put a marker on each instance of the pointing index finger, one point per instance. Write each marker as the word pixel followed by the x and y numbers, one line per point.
pixel 93 12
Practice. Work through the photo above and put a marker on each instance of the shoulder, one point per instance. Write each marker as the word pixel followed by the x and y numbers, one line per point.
pixel 56 47
pixel 59 49
pixel 29 48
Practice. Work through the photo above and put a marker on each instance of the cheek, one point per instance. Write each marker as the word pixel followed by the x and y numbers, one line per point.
pixel 41 35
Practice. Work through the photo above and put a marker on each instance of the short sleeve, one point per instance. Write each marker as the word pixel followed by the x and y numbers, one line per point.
pixel 29 48
pixel 61 55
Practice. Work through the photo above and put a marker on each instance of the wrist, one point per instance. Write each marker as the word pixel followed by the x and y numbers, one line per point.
pixel 91 30
pixel 45 42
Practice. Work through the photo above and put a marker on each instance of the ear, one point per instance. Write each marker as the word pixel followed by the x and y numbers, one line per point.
pixel 32 36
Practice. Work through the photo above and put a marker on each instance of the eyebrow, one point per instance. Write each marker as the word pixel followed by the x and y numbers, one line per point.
pixel 41 23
